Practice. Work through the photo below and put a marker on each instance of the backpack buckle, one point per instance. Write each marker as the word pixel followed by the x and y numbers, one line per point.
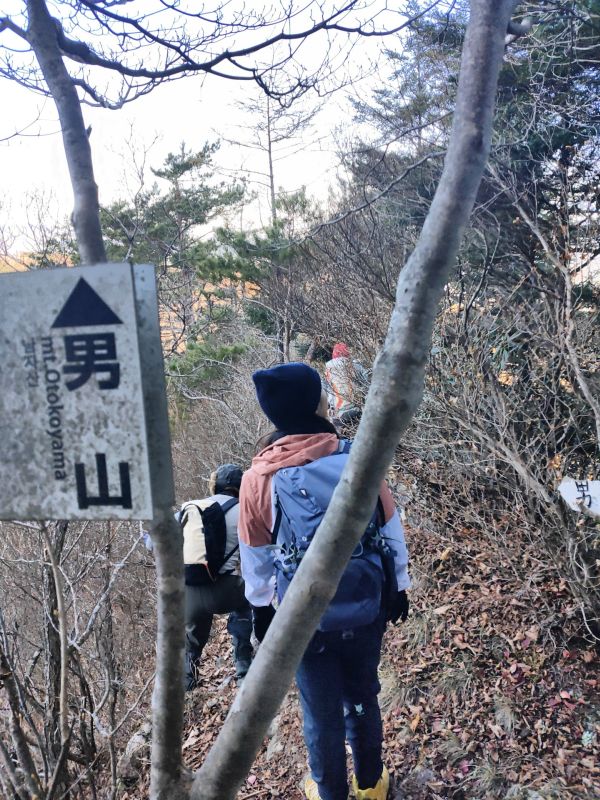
pixel 358 550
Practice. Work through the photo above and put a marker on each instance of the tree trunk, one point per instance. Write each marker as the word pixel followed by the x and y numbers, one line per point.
pixel 42 36
pixel 56 722
pixel 106 649
pixel 167 705
pixel 393 398
pixel 29 775
pixel 271 165
pixel 167 699
pixel 61 621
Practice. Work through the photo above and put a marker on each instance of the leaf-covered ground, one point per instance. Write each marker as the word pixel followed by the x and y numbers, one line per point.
pixel 488 691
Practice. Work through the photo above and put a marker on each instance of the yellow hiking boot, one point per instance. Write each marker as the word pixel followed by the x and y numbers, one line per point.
pixel 378 792
pixel 311 790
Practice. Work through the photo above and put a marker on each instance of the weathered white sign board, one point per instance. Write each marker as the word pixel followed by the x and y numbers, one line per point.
pixel 73 428
pixel 581 494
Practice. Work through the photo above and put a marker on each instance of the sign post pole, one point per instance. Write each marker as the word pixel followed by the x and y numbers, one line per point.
pixel 167 542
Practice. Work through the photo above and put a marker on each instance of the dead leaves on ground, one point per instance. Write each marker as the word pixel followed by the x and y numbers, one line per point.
pixel 486 691
pixel 495 701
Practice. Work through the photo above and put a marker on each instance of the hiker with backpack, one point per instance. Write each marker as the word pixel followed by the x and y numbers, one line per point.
pixel 346 383
pixel 283 497
pixel 213 584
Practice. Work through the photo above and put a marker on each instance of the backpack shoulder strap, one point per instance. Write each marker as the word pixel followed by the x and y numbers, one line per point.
pixel 380 513
pixel 230 504
pixel 277 522
pixel 344 446
pixel 227 507
pixel 183 514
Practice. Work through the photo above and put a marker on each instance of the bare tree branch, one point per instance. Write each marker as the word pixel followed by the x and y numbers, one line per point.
pixel 586 390
pixel 7 681
pixel 64 649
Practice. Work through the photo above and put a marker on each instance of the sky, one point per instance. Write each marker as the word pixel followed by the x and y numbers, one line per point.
pixel 192 110
pixel 189 111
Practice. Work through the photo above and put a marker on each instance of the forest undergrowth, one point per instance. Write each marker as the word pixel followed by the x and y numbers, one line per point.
pixel 489 690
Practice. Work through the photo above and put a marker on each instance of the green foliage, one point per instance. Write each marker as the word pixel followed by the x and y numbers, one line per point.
pixel 203 364
pixel 412 107
pixel 546 131
pixel 548 111
pixel 261 255
pixel 275 262
pixel 57 250
pixel 260 317
pixel 164 227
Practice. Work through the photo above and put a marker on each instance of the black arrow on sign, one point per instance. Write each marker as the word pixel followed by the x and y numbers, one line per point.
pixel 85 307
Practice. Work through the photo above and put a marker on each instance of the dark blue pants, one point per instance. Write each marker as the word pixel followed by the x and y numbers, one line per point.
pixel 338 684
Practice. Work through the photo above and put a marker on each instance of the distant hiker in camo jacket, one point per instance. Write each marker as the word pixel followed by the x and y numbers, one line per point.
pixel 337 676
pixel 346 383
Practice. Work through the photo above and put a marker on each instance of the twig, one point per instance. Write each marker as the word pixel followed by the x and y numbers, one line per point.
pixel 594 636
pixel 92 618
pixel 60 762
pixel 62 629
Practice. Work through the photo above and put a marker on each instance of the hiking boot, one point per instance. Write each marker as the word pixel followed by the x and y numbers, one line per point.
pixel 241 668
pixel 311 790
pixel 190 683
pixel 378 792
pixel 243 651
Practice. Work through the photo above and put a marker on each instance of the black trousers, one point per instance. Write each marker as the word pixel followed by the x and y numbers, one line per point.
pixel 225 596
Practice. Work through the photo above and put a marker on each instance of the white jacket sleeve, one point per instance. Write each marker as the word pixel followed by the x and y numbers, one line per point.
pixel 393 533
